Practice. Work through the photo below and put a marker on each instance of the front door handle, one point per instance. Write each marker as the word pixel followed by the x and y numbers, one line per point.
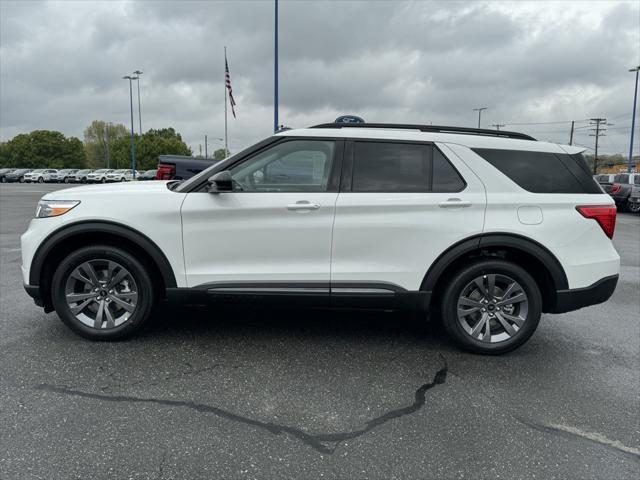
pixel 303 205
pixel 454 203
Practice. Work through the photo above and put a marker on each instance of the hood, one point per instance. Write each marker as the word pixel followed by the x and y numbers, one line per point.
pixel 77 193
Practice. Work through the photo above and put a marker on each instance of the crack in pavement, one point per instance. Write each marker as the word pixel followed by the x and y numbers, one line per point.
pixel 317 441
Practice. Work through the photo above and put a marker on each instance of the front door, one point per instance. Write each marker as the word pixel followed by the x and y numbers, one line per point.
pixel 273 231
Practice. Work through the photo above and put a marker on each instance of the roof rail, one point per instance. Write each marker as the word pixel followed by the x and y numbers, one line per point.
pixel 431 128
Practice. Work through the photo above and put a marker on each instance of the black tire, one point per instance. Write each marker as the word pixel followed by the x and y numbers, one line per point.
pixel 104 180
pixel 40 180
pixel 4 180
pixel 145 301
pixel 21 180
pixel 462 278
pixel 84 180
pixel 633 207
pixel 66 180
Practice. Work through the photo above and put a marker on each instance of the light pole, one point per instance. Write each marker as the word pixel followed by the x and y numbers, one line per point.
pixel 206 144
pixel 633 118
pixel 137 74
pixel 133 143
pixel 479 110
pixel 275 72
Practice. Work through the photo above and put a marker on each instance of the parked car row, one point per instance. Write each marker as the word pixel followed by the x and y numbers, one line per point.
pixel 70 175
pixel 624 188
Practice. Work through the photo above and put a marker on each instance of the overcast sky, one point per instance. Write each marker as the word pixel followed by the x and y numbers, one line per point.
pixel 61 65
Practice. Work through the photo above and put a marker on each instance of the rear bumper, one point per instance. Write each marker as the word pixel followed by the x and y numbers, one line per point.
pixel 574 299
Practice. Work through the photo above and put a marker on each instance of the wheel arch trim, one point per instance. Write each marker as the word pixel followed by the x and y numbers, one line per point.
pixel 57 236
pixel 487 240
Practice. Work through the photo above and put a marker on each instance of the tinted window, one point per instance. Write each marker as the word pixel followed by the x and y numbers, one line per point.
pixel 542 172
pixel 636 180
pixel 445 177
pixel 621 178
pixel 390 167
pixel 294 166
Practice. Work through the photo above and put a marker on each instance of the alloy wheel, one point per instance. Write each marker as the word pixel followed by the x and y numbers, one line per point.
pixel 492 308
pixel 101 293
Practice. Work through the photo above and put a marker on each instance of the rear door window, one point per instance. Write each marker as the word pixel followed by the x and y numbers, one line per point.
pixel 402 167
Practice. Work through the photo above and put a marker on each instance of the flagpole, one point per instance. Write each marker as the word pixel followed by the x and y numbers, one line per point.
pixel 224 83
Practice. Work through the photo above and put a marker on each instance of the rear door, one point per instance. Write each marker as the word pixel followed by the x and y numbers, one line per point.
pixel 400 206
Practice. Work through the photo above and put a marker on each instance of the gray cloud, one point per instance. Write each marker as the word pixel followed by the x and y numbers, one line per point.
pixel 61 64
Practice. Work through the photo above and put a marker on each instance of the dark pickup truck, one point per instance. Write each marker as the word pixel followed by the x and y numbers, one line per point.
pixel 620 190
pixel 180 167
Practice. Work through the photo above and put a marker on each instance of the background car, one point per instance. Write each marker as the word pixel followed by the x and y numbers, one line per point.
pixel 3 172
pixel 180 167
pixel 633 205
pixel 16 175
pixel 99 176
pixel 621 188
pixel 123 175
pixel 148 175
pixel 81 176
pixel 64 176
pixel 40 175
pixel 605 180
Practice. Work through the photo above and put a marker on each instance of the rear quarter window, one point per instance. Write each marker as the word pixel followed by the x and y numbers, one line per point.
pixel 542 172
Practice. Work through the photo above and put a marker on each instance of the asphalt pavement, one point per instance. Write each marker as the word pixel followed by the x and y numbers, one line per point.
pixel 261 393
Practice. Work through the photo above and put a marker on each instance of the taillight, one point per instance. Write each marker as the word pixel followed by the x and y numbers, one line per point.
pixel 165 172
pixel 615 188
pixel 605 215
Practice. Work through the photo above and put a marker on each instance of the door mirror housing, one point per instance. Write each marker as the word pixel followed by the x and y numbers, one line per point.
pixel 220 182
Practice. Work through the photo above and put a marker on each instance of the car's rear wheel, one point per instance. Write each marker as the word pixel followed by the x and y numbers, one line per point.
pixel 634 207
pixel 40 180
pixel 103 180
pixel 491 307
pixel 102 293
pixel 21 180
pixel 66 179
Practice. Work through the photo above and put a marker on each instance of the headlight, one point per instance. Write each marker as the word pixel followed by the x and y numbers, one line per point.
pixel 54 208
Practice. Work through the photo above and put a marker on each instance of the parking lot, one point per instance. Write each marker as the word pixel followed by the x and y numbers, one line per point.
pixel 261 393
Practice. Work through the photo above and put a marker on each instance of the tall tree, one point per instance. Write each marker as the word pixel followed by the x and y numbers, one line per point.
pixel 153 143
pixel 98 139
pixel 42 149
pixel 220 154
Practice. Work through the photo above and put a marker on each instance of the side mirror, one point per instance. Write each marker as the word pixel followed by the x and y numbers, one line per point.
pixel 220 182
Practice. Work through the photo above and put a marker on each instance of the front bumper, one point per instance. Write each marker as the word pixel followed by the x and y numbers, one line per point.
pixel 576 298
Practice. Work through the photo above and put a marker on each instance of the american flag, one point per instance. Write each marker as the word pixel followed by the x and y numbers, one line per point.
pixel 227 80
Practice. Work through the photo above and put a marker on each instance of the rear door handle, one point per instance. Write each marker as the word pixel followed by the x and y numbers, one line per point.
pixel 303 205
pixel 454 203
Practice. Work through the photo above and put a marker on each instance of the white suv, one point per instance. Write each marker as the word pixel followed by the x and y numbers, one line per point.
pixel 99 176
pixel 40 176
pixel 486 229
pixel 120 176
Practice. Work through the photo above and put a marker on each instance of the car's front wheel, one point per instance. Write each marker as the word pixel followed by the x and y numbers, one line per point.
pixel 491 306
pixel 40 180
pixel 103 180
pixel 66 180
pixel 102 293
